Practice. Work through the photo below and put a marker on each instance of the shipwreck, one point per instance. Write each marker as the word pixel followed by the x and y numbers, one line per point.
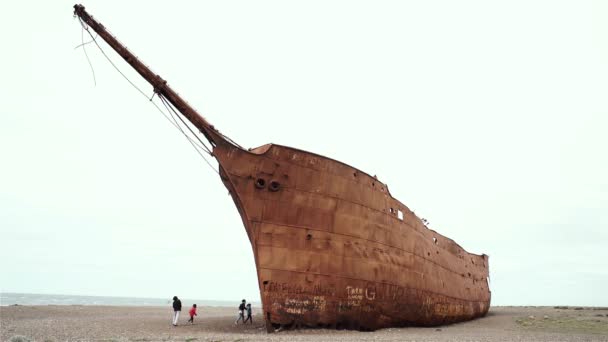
pixel 332 247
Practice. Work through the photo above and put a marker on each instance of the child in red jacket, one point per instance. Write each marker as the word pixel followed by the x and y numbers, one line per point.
pixel 192 313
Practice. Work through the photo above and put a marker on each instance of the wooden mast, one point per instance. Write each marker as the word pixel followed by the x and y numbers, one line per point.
pixel 158 83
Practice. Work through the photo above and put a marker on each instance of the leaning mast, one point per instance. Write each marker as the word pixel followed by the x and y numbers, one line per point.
pixel 158 83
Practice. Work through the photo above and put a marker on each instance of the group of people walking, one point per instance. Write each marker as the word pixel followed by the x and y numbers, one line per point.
pixel 244 308
pixel 177 308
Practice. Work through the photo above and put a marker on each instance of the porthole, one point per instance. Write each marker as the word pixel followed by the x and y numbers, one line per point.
pixel 260 183
pixel 274 186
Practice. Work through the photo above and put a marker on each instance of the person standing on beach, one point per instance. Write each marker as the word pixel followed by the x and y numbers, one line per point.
pixel 241 313
pixel 192 313
pixel 248 314
pixel 177 308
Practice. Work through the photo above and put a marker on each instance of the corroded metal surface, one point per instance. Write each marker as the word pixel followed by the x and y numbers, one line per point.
pixel 332 247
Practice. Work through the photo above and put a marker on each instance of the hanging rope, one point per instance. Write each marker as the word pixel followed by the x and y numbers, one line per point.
pixel 85 51
pixel 169 108
pixel 87 43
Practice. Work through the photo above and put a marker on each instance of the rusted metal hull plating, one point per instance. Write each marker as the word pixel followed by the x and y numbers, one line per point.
pixel 333 248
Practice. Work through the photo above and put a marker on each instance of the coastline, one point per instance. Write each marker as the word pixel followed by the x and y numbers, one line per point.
pixel 38 299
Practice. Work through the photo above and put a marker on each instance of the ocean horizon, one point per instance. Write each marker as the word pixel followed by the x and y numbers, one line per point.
pixel 13 298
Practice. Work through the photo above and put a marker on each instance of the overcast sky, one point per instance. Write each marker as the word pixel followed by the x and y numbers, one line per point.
pixel 488 119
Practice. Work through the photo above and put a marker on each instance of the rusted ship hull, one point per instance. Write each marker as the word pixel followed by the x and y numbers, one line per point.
pixel 333 248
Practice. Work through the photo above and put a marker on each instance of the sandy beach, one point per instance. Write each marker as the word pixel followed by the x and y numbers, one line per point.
pixel 116 323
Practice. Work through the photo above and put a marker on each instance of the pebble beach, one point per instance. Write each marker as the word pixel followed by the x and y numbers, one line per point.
pixel 121 323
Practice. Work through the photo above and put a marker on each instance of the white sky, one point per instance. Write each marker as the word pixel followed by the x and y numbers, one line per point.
pixel 489 119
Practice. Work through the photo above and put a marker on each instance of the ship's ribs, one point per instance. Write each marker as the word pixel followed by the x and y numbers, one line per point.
pixel 333 248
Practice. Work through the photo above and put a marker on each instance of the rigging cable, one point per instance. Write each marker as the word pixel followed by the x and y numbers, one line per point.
pixel 194 144
pixel 172 109
pixel 85 52
pixel 202 146
pixel 189 140
pixel 94 40
pixel 87 43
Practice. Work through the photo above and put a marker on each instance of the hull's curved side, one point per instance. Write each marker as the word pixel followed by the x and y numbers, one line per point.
pixel 333 248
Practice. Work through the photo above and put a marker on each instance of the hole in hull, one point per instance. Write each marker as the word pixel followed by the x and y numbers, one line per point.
pixel 260 183
pixel 274 186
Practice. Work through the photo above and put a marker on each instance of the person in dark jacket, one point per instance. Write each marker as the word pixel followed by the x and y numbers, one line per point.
pixel 248 309
pixel 177 308
pixel 241 313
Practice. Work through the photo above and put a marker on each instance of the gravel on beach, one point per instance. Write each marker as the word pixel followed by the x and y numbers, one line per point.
pixel 122 323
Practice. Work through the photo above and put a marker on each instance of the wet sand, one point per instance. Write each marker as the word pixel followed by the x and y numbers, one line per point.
pixel 115 323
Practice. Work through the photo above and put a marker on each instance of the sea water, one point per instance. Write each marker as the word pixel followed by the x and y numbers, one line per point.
pixel 53 299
